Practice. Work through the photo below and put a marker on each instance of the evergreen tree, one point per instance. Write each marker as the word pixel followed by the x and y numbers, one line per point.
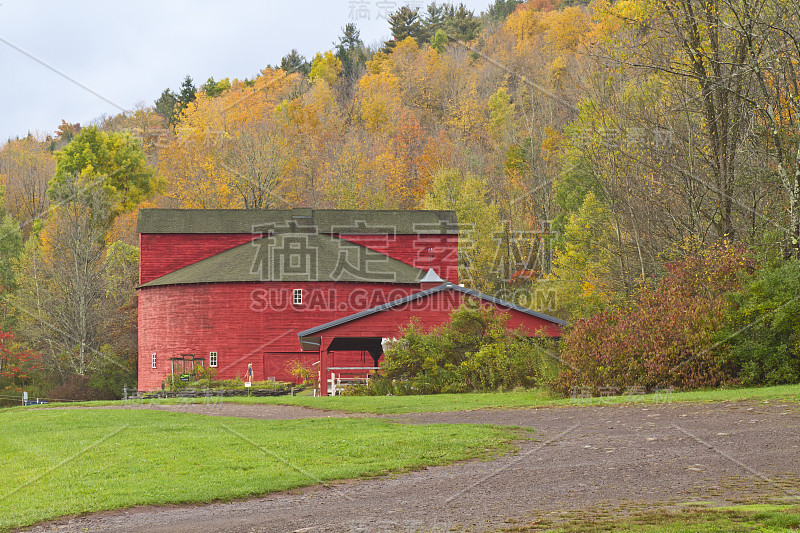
pixel 404 23
pixel 213 88
pixel 165 106
pixel 169 105
pixel 188 92
pixel 502 9
pixel 351 51
pixel 461 23
pixel 295 62
pixel 434 19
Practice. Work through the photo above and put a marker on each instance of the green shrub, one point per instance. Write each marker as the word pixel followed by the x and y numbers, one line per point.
pixel 473 352
pixel 173 383
pixel 762 328
pixel 235 383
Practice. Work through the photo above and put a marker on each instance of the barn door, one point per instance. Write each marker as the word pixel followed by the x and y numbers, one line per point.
pixel 270 366
pixel 276 364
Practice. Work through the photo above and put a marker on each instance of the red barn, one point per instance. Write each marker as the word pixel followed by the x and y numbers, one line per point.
pixel 265 288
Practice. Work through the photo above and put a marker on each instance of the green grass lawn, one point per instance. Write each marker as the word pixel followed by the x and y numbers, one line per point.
pixel 511 400
pixel 739 519
pixel 490 400
pixel 61 462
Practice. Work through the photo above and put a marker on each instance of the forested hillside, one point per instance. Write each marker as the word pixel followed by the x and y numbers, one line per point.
pixel 616 162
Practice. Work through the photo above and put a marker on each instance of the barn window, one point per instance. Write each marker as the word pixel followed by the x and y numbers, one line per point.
pixel 154 360
pixel 297 296
pixel 212 359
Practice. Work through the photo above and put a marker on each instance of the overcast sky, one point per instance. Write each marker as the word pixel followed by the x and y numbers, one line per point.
pixel 129 53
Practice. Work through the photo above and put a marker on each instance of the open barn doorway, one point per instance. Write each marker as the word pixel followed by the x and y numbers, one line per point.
pixel 352 361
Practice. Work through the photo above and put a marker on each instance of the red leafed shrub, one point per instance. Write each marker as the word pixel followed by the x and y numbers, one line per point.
pixel 665 337
pixel 16 365
pixel 80 388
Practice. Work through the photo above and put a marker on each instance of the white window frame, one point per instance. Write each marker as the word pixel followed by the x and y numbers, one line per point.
pixel 297 296
pixel 154 359
pixel 212 359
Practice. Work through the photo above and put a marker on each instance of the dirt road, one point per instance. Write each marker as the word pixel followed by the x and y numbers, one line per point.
pixel 586 459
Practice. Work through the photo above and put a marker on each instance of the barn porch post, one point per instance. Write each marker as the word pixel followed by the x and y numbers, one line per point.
pixel 323 367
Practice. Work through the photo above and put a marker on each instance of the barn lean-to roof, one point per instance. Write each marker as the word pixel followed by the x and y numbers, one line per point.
pixel 295 257
pixel 424 294
pixel 300 220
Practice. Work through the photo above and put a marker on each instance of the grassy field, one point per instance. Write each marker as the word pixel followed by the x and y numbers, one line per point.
pixel 516 399
pixel 739 519
pixel 62 462
pixel 491 400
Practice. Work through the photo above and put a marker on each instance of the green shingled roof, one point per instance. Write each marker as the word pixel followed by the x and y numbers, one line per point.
pixel 301 220
pixel 295 257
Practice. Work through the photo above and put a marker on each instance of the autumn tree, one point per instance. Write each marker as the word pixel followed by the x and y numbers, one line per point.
pixel 66 131
pixel 10 249
pixel 479 225
pixel 113 163
pixel 769 30
pixel 70 306
pixel 326 67
pixel 314 125
pixel 17 365
pixel 61 276
pixel 585 262
pixel 692 40
pixel 230 151
pixel 258 158
pixel 65 301
pixel 26 166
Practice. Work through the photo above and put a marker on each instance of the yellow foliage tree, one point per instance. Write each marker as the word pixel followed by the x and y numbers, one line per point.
pixel 378 100
pixel 325 67
pixel 227 151
pixel 583 268
pixel 479 225
pixel 26 166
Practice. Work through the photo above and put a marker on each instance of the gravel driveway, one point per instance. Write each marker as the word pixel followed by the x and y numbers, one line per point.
pixel 583 459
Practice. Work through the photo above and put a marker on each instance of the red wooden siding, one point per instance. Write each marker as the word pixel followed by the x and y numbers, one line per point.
pixel 439 252
pixel 430 311
pixel 244 323
pixel 163 253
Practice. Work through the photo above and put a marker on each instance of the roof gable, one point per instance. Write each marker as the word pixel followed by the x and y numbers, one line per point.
pixel 295 257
